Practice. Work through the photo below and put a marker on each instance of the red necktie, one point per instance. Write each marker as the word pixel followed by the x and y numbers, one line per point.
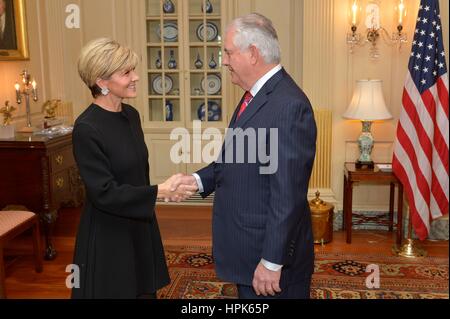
pixel 247 99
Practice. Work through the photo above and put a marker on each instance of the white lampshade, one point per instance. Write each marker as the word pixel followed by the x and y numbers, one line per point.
pixel 368 102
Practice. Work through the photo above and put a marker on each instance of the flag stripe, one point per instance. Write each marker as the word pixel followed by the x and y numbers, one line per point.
pixel 407 144
pixel 439 145
pixel 420 119
pixel 442 120
pixel 420 219
pixel 443 95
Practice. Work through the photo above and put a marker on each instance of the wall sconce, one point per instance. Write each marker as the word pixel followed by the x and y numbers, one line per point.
pixel 28 88
pixel 374 30
pixel 367 105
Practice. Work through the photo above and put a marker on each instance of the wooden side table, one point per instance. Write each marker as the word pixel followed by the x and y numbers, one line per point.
pixel 354 176
pixel 40 174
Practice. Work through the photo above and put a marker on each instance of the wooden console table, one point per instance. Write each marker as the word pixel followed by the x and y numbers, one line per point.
pixel 354 176
pixel 40 174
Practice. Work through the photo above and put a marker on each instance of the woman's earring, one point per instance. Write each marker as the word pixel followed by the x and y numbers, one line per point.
pixel 105 91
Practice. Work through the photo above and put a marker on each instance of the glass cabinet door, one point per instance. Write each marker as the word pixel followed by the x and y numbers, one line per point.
pixel 163 61
pixel 184 62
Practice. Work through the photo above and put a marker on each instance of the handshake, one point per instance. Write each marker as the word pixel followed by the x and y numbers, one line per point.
pixel 177 188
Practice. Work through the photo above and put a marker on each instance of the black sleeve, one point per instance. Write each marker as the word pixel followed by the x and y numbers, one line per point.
pixel 102 189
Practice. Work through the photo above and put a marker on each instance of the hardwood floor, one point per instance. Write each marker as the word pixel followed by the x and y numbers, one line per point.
pixel 179 226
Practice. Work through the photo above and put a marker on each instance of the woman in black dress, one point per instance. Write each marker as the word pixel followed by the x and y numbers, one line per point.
pixel 118 248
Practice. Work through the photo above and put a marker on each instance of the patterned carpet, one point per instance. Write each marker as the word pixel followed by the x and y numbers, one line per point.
pixel 336 276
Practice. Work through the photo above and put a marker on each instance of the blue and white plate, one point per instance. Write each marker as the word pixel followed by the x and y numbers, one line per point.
pixel 157 84
pixel 212 85
pixel 212 31
pixel 214 112
pixel 170 32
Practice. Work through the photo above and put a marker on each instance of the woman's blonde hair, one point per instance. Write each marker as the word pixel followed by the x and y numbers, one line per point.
pixel 101 58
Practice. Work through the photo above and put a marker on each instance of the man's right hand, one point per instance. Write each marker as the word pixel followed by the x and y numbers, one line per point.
pixel 181 179
pixel 177 188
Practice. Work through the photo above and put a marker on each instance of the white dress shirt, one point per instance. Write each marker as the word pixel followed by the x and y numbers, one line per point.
pixel 254 90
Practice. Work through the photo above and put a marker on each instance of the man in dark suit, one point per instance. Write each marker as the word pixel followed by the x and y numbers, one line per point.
pixel 262 233
pixel 7 30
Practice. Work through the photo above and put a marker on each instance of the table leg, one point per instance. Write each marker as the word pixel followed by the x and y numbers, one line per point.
pixel 349 213
pixel 344 204
pixel 48 221
pixel 37 247
pixel 400 214
pixel 391 207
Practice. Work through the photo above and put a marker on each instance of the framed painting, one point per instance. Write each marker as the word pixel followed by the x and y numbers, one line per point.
pixel 13 31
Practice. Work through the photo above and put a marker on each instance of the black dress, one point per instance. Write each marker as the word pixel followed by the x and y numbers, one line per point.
pixel 118 247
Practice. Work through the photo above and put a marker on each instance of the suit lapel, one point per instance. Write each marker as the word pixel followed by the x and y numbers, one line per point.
pixel 254 106
pixel 259 100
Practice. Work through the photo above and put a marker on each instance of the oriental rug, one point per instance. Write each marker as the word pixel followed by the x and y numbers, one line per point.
pixel 336 276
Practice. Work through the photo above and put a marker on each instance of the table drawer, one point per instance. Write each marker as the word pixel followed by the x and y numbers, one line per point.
pixel 60 183
pixel 61 160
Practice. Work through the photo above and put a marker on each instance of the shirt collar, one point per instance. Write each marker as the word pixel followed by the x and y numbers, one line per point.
pixel 266 77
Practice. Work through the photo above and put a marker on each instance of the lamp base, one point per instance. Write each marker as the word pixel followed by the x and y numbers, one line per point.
pixel 364 165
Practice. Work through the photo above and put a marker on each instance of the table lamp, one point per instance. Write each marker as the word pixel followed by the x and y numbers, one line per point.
pixel 367 105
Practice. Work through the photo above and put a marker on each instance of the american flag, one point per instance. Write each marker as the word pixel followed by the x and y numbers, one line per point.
pixel 421 155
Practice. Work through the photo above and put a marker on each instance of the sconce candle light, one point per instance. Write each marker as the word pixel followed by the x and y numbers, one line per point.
pixel 28 88
pixel 367 105
pixel 374 29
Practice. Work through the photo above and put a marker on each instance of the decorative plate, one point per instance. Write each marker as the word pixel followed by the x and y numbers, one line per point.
pixel 212 85
pixel 212 31
pixel 158 85
pixel 214 111
pixel 170 32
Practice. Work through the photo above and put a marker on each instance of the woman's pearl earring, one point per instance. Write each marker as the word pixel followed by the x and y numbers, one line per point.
pixel 105 91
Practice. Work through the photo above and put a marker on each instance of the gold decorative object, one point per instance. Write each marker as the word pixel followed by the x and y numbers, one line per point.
pixel 49 108
pixel 409 249
pixel 322 220
pixel 7 112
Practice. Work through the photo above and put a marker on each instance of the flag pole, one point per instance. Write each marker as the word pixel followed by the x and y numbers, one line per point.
pixel 410 248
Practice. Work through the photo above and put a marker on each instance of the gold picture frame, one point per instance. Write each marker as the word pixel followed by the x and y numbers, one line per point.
pixel 13 37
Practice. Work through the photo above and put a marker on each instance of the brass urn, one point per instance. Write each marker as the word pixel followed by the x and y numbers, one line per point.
pixel 322 220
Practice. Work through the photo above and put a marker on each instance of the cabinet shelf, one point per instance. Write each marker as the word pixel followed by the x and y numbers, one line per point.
pixel 160 71
pixel 166 16
pixel 162 44
pixel 209 97
pixel 159 97
pixel 209 71
pixel 207 44
pixel 199 17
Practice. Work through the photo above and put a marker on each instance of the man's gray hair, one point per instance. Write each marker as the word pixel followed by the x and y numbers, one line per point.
pixel 255 29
